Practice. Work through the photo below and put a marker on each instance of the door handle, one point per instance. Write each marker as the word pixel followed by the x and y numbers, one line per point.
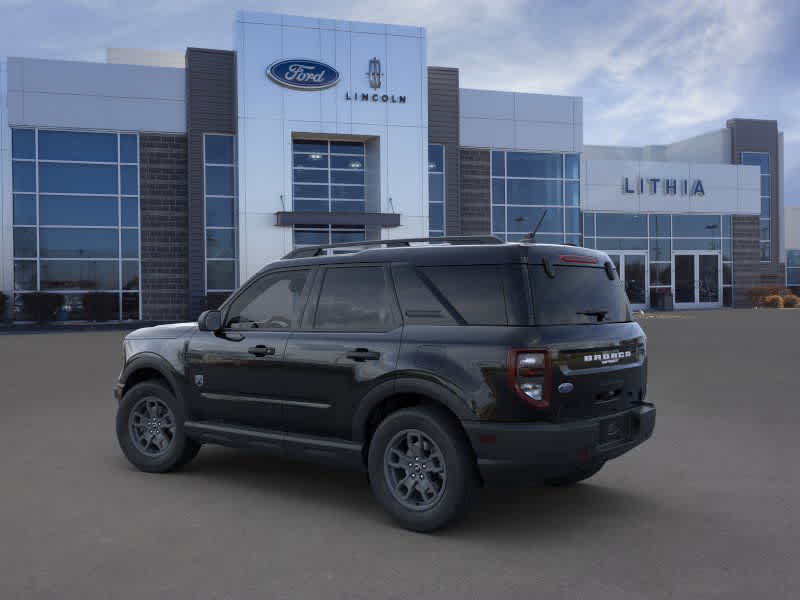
pixel 261 350
pixel 361 354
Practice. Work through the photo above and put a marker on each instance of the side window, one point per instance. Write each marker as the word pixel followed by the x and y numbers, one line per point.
pixel 419 305
pixel 354 299
pixel 476 292
pixel 273 302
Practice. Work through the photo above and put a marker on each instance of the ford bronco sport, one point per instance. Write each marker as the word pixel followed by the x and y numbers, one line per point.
pixel 435 368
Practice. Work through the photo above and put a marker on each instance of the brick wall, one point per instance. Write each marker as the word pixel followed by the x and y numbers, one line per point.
pixel 748 271
pixel 476 216
pixel 165 231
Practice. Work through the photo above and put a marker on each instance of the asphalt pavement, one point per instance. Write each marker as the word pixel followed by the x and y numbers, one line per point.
pixel 706 509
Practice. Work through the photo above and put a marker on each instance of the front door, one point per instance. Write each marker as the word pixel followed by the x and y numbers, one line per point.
pixel 632 270
pixel 235 373
pixel 696 279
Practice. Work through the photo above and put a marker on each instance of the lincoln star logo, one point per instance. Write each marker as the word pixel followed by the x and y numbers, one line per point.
pixel 607 358
pixel 302 74
pixel 374 74
pixel 198 380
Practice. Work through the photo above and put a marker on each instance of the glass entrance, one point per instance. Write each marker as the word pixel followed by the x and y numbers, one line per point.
pixel 632 269
pixel 696 279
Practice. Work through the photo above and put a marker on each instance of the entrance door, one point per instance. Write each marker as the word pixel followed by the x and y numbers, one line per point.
pixel 696 279
pixel 632 269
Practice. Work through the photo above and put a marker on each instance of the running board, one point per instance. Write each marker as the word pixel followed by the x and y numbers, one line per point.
pixel 329 451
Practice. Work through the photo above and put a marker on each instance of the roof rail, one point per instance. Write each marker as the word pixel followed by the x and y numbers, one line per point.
pixel 309 251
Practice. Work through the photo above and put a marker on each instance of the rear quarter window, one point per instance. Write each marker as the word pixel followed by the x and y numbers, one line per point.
pixel 475 292
pixel 575 296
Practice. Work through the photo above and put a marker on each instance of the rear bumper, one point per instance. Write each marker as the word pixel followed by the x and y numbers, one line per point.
pixel 537 451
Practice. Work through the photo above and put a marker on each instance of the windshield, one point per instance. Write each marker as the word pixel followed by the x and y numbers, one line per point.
pixel 577 295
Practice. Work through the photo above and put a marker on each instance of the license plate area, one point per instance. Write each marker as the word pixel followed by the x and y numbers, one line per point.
pixel 614 431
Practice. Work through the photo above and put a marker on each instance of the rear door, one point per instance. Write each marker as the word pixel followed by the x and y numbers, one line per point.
pixel 349 343
pixel 236 372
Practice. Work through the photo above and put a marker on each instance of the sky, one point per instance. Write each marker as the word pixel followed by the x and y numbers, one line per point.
pixel 649 72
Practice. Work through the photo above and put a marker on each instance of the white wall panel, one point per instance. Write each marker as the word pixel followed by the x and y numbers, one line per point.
pixel 6 204
pixel 540 135
pixel 486 133
pixel 486 104
pixel 363 47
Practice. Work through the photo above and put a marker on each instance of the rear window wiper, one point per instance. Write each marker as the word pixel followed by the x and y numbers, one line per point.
pixel 600 314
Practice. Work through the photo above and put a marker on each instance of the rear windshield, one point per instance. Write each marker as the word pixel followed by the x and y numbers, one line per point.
pixel 577 296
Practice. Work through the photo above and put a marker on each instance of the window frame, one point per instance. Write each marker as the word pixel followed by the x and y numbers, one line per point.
pixel 234 227
pixel 309 318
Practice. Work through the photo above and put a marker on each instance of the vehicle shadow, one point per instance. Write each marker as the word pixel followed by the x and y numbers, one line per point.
pixel 508 511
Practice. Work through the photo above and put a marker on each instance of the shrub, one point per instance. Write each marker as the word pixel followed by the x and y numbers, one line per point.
pixel 41 306
pixel 773 301
pixel 790 301
pixel 758 295
pixel 3 306
pixel 98 306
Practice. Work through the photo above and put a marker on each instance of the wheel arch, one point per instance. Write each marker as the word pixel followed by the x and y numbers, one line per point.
pixel 148 367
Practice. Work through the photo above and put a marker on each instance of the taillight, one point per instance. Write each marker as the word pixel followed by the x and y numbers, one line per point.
pixel 529 375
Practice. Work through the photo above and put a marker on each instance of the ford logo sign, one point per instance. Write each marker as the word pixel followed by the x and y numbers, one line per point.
pixel 303 74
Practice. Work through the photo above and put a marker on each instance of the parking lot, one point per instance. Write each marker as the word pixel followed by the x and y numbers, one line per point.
pixel 706 509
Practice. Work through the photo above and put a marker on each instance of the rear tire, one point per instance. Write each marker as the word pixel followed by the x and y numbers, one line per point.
pixel 576 476
pixel 421 468
pixel 150 429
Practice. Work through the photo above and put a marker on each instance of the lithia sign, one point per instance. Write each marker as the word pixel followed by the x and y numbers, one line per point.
pixel 306 74
pixel 667 186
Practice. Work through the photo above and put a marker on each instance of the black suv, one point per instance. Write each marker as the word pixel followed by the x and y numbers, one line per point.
pixel 436 368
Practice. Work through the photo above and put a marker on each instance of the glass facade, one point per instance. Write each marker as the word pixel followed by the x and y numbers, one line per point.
pixel 76 219
pixel 761 160
pixel 528 187
pixel 658 236
pixel 436 194
pixel 219 160
pixel 793 268
pixel 328 176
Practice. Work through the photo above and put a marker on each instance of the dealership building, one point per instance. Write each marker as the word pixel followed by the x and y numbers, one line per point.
pixel 166 179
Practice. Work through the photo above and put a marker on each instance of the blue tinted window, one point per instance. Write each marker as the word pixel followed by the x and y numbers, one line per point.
pixel 311 205
pixel 24 209
pixel 23 176
pixel 310 191
pixel 219 149
pixel 793 258
pixel 765 185
pixel 436 217
pixel 219 212
pixel 498 191
pixel 24 275
pixel 129 180
pixel 695 244
pixel 77 179
pixel 588 224
pixel 357 177
pixel 220 243
pixel 130 212
pixel 727 225
pixel 311 237
pixel 130 275
pixel 763 227
pixel 660 249
pixel 765 208
pixel 221 274
pixel 25 242
pixel 696 225
pixel 313 175
pixel 128 149
pixel 529 164
pixel 435 158
pixel 436 187
pixel 660 226
pixel 573 166
pixel 77 210
pixel 80 275
pixel 219 181
pixel 727 249
pixel 338 162
pixel 130 243
pixel 346 236
pixel 759 159
pixel 347 148
pixel 78 243
pixel 73 145
pixel 572 189
pixel 522 191
pixel 320 161
pixel 23 143
pixel 624 225
pixel 621 244
pixel 572 220
pixel 351 192
pixel 766 251
pixel 310 146
pixel 523 219
pixel 498 163
pixel 348 206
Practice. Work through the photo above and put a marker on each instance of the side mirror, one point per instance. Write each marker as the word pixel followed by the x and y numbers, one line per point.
pixel 210 320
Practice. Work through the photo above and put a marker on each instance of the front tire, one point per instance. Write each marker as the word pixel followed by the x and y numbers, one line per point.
pixel 421 468
pixel 150 429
